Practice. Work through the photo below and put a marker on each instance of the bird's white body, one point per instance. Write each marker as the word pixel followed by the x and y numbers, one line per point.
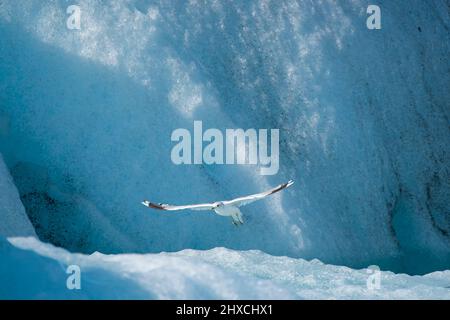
pixel 222 208
pixel 230 211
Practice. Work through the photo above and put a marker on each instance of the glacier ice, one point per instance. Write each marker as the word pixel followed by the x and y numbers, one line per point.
pixel 14 220
pixel 86 118
pixel 218 273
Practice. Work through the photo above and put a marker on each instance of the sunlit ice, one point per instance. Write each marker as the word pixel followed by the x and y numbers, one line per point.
pixel 237 147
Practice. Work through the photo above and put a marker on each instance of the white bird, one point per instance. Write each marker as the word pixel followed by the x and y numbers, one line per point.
pixel 228 208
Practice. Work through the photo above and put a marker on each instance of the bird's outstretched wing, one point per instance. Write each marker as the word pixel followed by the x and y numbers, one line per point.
pixel 161 206
pixel 251 198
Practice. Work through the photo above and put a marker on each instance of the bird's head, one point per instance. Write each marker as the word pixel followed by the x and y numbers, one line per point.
pixel 217 204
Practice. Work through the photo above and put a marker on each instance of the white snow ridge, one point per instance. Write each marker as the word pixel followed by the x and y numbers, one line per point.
pixel 14 220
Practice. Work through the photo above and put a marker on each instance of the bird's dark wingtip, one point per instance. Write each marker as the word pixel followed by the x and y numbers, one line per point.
pixel 153 205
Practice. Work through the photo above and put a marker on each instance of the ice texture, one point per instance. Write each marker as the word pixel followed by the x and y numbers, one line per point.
pixel 86 117
pixel 219 273
pixel 14 221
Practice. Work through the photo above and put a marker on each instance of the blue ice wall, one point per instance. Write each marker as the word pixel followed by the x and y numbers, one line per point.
pixel 40 273
pixel 86 118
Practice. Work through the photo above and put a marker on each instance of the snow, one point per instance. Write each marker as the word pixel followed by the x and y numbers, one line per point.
pixel 86 119
pixel 14 220
pixel 192 274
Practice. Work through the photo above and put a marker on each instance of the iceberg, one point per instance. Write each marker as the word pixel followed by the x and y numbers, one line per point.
pixel 87 115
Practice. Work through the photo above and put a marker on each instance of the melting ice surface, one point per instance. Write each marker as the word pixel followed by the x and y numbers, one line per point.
pixel 86 118
pixel 218 273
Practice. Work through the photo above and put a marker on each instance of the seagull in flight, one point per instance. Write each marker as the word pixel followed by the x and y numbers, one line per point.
pixel 229 208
